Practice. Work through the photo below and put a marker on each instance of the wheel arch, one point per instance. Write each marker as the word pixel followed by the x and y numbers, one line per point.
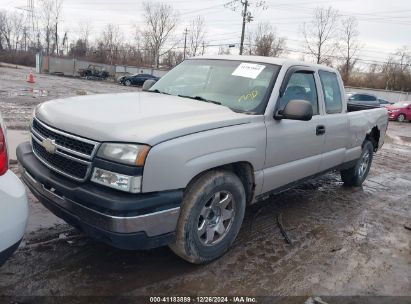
pixel 374 136
pixel 243 170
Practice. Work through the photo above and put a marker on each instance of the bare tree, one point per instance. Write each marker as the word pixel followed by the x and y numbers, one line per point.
pixel 267 42
pixel 112 40
pixel 161 20
pixel 321 33
pixel 196 34
pixel 349 46
pixel 172 58
pixel 57 10
pixel 12 29
pixel 85 29
pixel 248 47
pixel 397 70
pixel 46 10
pixel 51 11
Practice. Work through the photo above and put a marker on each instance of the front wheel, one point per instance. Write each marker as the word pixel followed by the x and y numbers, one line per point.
pixel 401 118
pixel 357 174
pixel 127 83
pixel 211 215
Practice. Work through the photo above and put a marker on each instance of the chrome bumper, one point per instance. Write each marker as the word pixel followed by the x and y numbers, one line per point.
pixel 153 224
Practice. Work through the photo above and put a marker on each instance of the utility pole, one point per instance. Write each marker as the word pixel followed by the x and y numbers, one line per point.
pixel 245 17
pixel 245 13
pixel 185 43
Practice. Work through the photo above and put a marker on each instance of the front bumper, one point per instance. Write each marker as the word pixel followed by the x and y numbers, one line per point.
pixel 123 220
pixel 392 115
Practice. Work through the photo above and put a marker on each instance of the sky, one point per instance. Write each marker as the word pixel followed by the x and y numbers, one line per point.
pixel 384 25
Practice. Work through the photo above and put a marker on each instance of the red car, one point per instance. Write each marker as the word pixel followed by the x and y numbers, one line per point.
pixel 400 111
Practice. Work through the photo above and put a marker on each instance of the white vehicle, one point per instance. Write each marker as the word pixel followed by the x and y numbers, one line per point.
pixel 13 204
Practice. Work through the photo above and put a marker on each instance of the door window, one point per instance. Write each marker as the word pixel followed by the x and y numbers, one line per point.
pixel 331 91
pixel 301 86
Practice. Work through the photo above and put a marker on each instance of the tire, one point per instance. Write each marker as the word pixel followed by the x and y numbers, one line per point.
pixel 401 118
pixel 356 175
pixel 127 83
pixel 213 196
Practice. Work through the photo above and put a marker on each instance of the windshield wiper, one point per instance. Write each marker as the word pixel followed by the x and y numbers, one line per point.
pixel 200 98
pixel 157 91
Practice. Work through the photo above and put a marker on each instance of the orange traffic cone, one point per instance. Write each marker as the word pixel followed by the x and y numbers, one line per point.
pixel 30 78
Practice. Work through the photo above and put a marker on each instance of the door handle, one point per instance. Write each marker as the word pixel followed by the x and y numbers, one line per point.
pixel 320 130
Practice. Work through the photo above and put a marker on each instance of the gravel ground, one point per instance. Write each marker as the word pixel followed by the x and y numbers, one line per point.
pixel 18 97
pixel 345 241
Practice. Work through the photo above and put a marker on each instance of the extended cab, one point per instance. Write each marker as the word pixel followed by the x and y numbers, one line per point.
pixel 178 163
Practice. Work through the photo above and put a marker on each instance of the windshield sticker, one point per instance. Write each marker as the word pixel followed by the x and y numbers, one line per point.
pixel 250 96
pixel 248 70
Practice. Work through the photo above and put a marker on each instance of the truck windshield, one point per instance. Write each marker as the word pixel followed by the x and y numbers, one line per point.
pixel 241 86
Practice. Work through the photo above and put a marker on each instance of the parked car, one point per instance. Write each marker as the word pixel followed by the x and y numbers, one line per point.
pixel 13 204
pixel 94 71
pixel 137 79
pixel 384 103
pixel 400 111
pixel 178 164
pixel 363 99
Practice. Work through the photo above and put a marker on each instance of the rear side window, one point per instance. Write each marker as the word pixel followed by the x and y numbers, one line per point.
pixel 332 92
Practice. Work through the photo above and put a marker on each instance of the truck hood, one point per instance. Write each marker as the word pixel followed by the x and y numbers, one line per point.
pixel 140 117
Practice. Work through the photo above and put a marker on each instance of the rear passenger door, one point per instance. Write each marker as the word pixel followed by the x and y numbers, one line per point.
pixel 294 147
pixel 336 121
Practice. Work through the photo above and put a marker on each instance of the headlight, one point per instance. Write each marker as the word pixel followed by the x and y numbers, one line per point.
pixel 117 181
pixel 128 154
pixel 32 118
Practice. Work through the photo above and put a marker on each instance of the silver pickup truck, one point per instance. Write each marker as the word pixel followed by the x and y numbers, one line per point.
pixel 178 163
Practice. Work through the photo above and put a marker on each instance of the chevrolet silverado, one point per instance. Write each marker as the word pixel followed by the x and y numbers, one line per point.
pixel 178 163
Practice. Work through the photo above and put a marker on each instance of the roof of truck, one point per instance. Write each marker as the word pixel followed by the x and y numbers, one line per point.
pixel 262 59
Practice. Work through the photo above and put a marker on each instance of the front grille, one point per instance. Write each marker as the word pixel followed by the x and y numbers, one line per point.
pixel 62 140
pixel 72 156
pixel 61 163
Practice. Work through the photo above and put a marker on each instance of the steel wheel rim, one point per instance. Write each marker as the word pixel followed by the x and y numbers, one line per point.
pixel 365 161
pixel 216 218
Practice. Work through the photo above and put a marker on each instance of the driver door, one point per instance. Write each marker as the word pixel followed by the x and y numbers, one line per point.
pixel 294 147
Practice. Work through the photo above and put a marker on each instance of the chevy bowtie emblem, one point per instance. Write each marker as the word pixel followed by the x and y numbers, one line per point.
pixel 49 145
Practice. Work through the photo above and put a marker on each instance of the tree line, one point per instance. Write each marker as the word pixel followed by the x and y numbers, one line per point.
pixel 328 38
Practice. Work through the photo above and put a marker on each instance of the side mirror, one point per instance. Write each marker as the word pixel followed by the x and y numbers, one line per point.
pixel 296 110
pixel 148 84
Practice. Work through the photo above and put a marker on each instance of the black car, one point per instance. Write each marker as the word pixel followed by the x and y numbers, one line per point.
pixel 136 79
pixel 363 99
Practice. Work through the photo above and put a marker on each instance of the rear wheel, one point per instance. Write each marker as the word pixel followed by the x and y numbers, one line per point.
pixel 211 216
pixel 401 118
pixel 357 174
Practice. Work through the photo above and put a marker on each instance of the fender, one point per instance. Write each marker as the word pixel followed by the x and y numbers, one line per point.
pixel 202 151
